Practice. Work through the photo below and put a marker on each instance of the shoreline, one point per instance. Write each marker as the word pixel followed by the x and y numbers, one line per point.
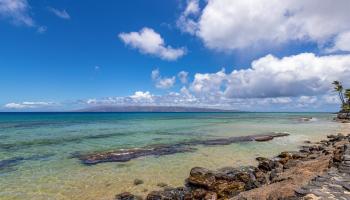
pixel 281 177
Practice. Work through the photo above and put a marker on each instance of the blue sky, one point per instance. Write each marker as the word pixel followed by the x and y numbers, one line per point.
pixel 62 55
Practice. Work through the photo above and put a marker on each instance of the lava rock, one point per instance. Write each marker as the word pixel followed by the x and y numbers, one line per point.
pixel 201 177
pixel 126 196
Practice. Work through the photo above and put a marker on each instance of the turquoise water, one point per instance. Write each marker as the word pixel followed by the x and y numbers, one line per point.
pixel 38 148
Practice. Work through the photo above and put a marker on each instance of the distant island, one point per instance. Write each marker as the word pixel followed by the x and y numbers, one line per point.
pixel 151 109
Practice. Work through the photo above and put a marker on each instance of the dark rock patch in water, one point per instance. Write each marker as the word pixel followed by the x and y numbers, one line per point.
pixel 8 164
pixel 124 155
pixel 53 141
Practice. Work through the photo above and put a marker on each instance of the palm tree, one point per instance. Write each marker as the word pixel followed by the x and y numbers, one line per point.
pixel 347 104
pixel 338 87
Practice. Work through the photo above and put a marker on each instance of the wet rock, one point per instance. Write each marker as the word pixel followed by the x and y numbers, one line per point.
pixel 260 159
pixel 263 138
pixel 260 176
pixel 126 196
pixel 290 164
pixel 265 165
pixel 126 155
pixel 225 189
pixel 162 184
pixel 168 194
pixel 201 177
pixel 269 165
pixel 199 193
pixel 211 196
pixel 138 182
pixel 343 116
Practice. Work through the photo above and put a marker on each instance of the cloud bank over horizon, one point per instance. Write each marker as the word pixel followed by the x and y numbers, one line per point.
pixel 298 82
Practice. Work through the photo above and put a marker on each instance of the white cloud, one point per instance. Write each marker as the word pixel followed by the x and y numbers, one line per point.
pixel 28 104
pixel 183 75
pixel 186 21
pixel 209 83
pixel 148 41
pixel 234 24
pixel 17 11
pixel 140 96
pixel 59 13
pixel 162 82
pixel 268 77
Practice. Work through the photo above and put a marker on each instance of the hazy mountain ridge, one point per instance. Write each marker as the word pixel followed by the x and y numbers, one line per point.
pixel 151 109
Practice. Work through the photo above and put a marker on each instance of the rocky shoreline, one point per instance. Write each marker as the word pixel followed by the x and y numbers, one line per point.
pixel 317 171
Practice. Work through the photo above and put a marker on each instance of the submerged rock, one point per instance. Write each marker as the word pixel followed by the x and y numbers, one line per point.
pixel 162 184
pixel 10 162
pixel 124 155
pixel 263 138
pixel 138 182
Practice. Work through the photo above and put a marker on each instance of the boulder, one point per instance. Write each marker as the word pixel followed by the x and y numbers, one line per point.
pixel 211 196
pixel 225 189
pixel 260 159
pixel 201 177
pixel 199 193
pixel 179 193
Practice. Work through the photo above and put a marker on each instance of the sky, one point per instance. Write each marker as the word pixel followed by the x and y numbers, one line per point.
pixel 251 55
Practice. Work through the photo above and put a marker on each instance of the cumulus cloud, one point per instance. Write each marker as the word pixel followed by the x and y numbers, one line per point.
pixel 147 41
pixel 139 95
pixel 59 13
pixel 183 77
pixel 29 104
pixel 233 24
pixel 301 75
pixel 162 82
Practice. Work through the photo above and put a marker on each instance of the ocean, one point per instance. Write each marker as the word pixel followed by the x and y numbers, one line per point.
pixel 38 150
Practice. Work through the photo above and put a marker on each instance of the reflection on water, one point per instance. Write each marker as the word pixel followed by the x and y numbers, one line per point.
pixel 36 149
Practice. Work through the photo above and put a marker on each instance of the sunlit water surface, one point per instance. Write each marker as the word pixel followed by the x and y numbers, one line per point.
pixel 42 145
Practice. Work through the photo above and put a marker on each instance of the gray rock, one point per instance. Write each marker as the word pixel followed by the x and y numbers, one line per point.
pixel 138 182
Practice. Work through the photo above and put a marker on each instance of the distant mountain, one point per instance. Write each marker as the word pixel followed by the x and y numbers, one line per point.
pixel 151 109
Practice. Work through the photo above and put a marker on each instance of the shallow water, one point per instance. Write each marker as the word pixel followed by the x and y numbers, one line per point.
pixel 36 149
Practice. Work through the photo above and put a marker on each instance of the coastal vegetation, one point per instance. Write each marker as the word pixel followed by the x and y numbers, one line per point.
pixel 344 96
